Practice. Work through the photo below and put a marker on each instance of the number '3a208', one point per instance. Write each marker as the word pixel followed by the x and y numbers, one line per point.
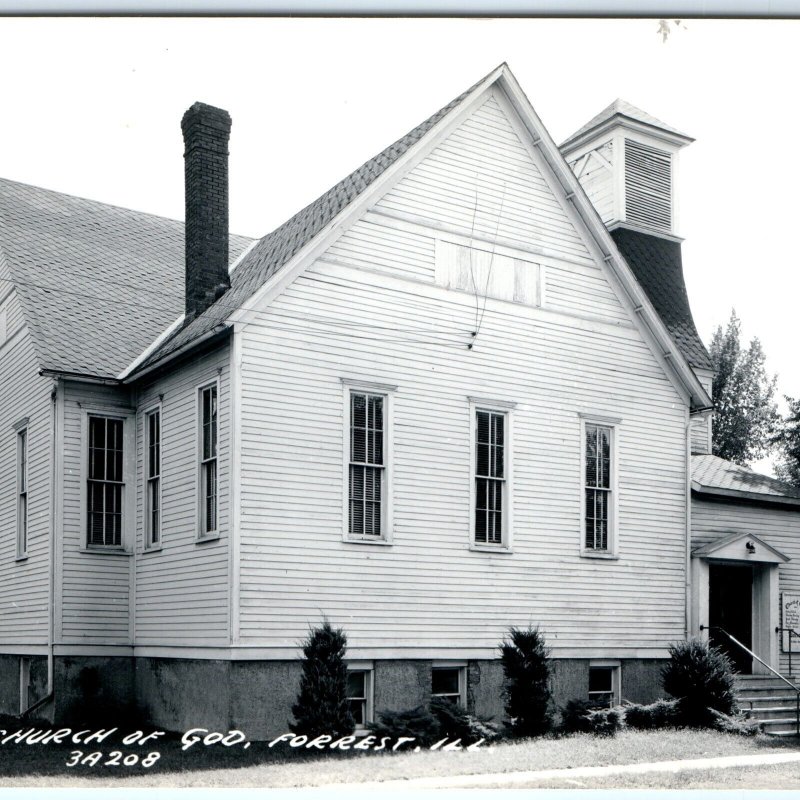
pixel 114 759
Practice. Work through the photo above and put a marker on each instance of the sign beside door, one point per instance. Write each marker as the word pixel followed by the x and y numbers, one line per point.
pixel 790 618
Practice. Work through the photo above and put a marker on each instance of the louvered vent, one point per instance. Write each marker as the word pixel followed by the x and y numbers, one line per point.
pixel 648 186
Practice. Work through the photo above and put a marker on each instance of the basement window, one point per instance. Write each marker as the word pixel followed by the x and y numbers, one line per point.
pixel 359 695
pixel 604 684
pixel 450 683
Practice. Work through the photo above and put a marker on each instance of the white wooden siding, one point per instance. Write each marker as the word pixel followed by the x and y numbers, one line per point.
pixel 583 290
pixel 493 192
pixel 428 589
pixel 377 246
pixel 357 316
pixel 183 590
pixel 24 585
pixel 777 526
pixel 596 176
pixel 96 587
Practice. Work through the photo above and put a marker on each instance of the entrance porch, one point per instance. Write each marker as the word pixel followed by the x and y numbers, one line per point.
pixel 735 591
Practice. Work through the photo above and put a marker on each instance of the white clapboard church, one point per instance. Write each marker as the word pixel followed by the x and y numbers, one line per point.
pixel 460 391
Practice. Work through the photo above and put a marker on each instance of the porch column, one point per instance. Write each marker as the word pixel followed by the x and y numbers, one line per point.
pixel 699 613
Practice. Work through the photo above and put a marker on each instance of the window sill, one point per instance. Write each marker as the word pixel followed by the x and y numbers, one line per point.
pixel 488 548
pixel 380 542
pixel 600 555
pixel 209 537
pixel 154 549
pixel 23 557
pixel 106 551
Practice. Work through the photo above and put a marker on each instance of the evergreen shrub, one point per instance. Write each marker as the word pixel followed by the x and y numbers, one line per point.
pixel 526 664
pixel 661 714
pixel 582 716
pixel 444 719
pixel 417 722
pixel 700 677
pixel 737 724
pixel 321 706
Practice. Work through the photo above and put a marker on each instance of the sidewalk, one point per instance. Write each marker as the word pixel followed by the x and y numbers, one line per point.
pixel 510 778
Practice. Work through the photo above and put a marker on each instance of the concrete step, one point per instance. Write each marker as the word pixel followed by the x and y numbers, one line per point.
pixel 758 682
pixel 770 713
pixel 787 732
pixel 783 727
pixel 764 700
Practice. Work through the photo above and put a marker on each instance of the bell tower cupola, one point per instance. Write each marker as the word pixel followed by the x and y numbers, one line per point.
pixel 626 161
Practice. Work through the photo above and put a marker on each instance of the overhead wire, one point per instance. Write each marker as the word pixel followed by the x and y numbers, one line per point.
pixel 491 260
pixel 455 332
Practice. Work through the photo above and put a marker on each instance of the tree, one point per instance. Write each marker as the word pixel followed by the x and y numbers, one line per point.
pixel 745 414
pixel 526 664
pixel 787 440
pixel 321 706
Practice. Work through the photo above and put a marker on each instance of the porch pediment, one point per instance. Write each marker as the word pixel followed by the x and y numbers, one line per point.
pixel 741 547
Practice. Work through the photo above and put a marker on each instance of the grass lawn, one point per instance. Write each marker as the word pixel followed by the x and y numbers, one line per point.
pixel 281 766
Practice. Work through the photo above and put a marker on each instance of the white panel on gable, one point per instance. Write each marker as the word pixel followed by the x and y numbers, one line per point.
pixel 483 182
pixel 486 273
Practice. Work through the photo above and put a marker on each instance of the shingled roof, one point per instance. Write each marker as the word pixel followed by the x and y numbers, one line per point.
pixel 656 263
pixel 622 108
pixel 714 475
pixel 97 283
pixel 275 249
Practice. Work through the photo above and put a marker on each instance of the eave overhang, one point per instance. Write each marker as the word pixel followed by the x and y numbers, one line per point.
pixel 713 492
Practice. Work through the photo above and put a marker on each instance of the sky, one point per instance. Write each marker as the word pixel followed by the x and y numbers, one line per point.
pixel 92 107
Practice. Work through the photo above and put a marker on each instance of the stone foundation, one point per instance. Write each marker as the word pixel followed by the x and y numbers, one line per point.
pixel 257 696
pixel 12 694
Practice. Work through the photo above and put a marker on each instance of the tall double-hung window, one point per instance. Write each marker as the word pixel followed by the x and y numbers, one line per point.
pixel 368 511
pixel 599 487
pixel 367 464
pixel 22 493
pixel 209 492
pixel 491 478
pixel 105 485
pixel 153 478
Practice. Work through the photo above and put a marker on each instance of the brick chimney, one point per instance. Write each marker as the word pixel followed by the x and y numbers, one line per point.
pixel 205 134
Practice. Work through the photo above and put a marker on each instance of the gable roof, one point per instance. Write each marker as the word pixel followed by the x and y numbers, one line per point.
pixel 274 250
pixel 724 548
pixel 326 217
pixel 716 476
pixel 96 282
pixel 656 263
pixel 137 345
pixel 624 109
